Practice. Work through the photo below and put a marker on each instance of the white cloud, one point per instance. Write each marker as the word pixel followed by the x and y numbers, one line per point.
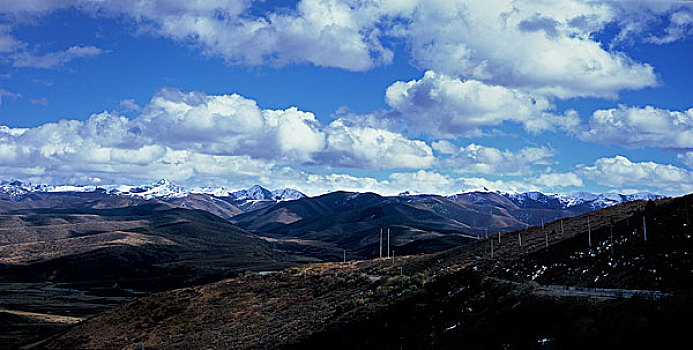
pixel 130 105
pixel 103 147
pixel 621 171
pixel 680 27
pixel 641 127
pixel 545 47
pixel 655 22
pixel 7 42
pixel 475 158
pixel 40 101
pixel 331 33
pixel 54 59
pixel 687 158
pixel 558 180
pixel 447 106
pixel 32 6
pixel 10 94
pixel 532 45
pixel 233 125
pixel 193 135
pixel 364 146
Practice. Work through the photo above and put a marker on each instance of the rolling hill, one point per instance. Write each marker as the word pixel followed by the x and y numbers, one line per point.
pixel 153 245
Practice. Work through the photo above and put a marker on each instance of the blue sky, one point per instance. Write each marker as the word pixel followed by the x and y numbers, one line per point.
pixel 385 96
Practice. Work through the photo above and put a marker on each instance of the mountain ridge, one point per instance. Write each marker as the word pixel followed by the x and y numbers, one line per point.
pixel 166 189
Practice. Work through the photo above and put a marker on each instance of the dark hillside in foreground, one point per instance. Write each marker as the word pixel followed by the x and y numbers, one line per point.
pixel 461 297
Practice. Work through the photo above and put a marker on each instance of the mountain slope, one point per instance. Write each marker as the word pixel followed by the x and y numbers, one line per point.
pixel 163 245
pixel 441 300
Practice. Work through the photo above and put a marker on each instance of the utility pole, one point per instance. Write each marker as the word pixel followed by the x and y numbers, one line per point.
pixel 546 235
pixel 381 243
pixel 519 238
pixel 688 220
pixel 562 230
pixel 490 240
pixel 644 228
pixel 388 243
pixel 611 237
pixel 589 233
pixel 499 237
pixel 393 257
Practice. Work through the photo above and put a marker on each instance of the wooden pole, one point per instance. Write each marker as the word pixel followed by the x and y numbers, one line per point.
pixel 381 243
pixel 589 233
pixel 644 228
pixel 491 248
pixel 562 230
pixel 499 237
pixel 388 242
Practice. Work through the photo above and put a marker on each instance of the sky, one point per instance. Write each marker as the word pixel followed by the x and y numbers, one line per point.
pixel 426 96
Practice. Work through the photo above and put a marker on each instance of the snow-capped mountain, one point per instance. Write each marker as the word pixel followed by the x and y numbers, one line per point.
pixel 287 194
pixel 163 189
pixel 566 201
pixel 18 188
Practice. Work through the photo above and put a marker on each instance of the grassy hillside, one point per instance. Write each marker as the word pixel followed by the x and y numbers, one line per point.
pixel 461 297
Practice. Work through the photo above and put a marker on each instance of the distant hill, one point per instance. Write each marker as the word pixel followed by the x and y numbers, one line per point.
pixel 352 221
pixel 326 226
pixel 151 245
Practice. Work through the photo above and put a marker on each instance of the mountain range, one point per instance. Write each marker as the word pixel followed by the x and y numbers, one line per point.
pixel 328 226
pixel 167 190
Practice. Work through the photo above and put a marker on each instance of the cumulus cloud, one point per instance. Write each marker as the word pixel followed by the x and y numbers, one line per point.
pixel 331 33
pixel 545 47
pixel 423 181
pixel 355 146
pixel 558 180
pixel 475 158
pixel 641 127
pixel 420 181
pixel 532 45
pixel 621 171
pixel 447 106
pixel 184 135
pixel 54 59
pixel 104 148
pixel 234 125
